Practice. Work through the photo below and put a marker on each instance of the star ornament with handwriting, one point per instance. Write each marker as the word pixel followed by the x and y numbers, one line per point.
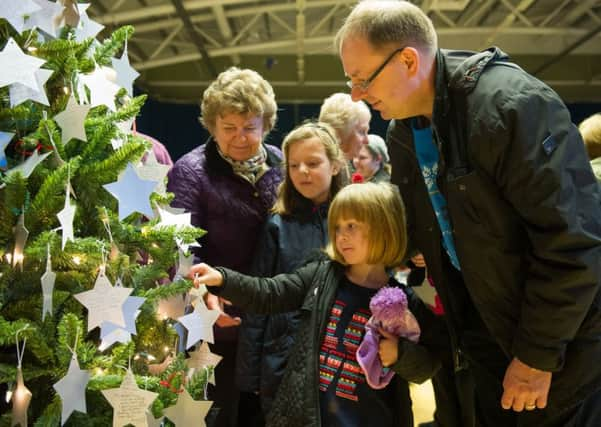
pixel 129 402
pixel 104 302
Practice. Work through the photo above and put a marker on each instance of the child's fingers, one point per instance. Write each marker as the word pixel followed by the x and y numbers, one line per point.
pixel 385 334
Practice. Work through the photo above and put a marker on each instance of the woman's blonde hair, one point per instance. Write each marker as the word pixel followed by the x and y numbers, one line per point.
pixel 590 129
pixel 342 113
pixel 289 199
pixel 381 208
pixel 238 91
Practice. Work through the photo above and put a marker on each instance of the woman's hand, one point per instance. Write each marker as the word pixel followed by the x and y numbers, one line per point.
pixel 389 348
pixel 204 273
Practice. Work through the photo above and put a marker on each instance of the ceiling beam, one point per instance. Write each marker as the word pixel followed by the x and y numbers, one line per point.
pixel 198 42
pixel 224 29
pixel 129 16
pixel 300 40
pixel 567 50
pixel 578 11
pixel 226 51
pixel 509 19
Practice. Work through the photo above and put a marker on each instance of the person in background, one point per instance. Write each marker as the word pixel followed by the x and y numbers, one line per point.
pixel 323 385
pixel 228 185
pixel 159 150
pixel 372 162
pixel 503 205
pixel 295 234
pixel 350 120
pixel 590 129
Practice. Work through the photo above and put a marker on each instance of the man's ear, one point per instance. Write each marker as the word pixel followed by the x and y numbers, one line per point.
pixel 410 56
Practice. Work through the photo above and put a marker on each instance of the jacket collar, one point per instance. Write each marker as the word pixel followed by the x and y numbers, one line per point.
pixel 459 70
pixel 217 165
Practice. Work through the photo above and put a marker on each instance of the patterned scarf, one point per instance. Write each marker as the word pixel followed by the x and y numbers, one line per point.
pixel 251 169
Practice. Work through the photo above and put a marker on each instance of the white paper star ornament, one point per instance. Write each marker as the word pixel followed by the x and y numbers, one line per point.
pixel 203 358
pixel 111 333
pixel 86 27
pixel 199 324
pixel 151 421
pixel 102 90
pixel 20 93
pixel 72 120
pixel 15 11
pixel 188 412
pixel 152 170
pixel 104 302
pixel 18 67
pixel 65 217
pixel 72 390
pixel 29 165
pixel 129 402
pixel 47 279
pixel 132 192
pixel 46 18
pixel 125 73
pixel 168 218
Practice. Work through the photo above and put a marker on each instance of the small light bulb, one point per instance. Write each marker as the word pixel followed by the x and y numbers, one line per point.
pixel 166 349
pixel 9 258
pixel 77 260
pixel 137 357
pixel 151 358
pixel 9 395
pixel 66 90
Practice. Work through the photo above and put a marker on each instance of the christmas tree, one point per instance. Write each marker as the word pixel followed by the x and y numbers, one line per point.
pixel 87 240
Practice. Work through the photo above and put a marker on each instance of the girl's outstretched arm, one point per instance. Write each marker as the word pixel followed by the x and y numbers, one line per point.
pixel 205 274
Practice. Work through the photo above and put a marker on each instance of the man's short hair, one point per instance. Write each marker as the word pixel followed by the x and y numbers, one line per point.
pixel 389 23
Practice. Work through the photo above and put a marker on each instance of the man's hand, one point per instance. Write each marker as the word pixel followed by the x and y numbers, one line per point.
pixel 389 348
pixel 224 320
pixel 204 273
pixel 525 387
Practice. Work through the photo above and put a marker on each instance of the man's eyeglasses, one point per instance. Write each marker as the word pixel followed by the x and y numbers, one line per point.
pixel 362 86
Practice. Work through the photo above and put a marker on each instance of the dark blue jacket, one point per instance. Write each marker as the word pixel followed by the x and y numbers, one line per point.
pixel 266 340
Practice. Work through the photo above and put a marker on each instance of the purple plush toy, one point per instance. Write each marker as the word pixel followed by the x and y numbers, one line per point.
pixel 389 312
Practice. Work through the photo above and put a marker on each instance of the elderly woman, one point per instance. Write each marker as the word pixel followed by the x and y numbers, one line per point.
pixel 350 119
pixel 228 185
pixel 372 161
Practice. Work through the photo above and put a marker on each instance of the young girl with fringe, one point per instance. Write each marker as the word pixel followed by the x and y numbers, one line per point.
pixel 323 384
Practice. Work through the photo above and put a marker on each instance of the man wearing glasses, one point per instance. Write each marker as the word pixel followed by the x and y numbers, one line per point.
pixel 504 206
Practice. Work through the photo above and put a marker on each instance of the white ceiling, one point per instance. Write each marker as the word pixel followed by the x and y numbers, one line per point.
pixel 179 46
